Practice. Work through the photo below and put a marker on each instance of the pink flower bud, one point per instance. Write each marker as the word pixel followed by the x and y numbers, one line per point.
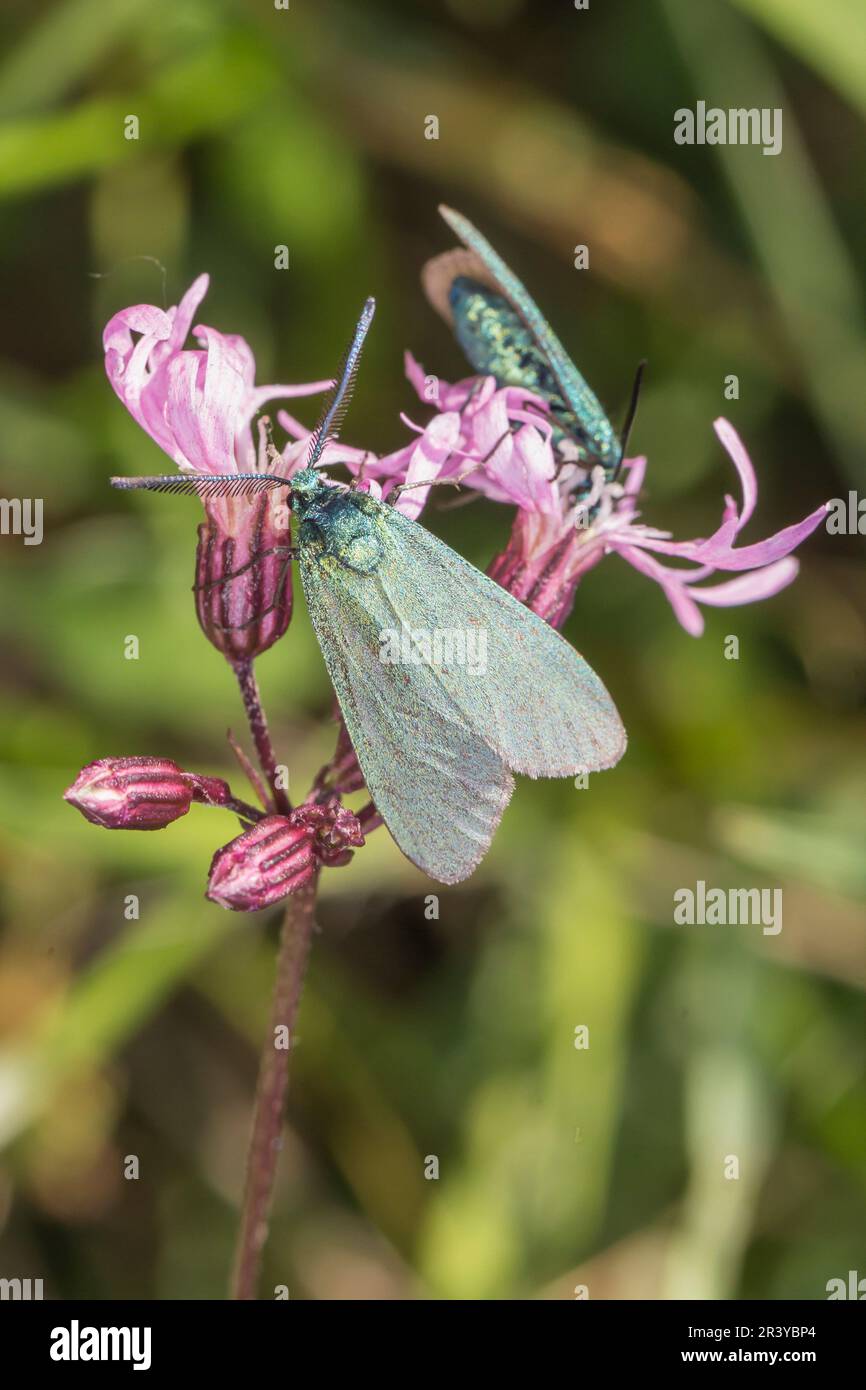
pixel 140 793
pixel 281 854
pixel 243 574
pixel 264 864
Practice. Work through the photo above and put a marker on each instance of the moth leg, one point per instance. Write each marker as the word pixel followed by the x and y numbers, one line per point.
pixel 257 617
pixel 356 482
pixel 235 574
pixel 395 492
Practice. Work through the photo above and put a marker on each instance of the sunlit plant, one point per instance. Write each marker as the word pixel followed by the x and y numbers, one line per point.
pixel 503 441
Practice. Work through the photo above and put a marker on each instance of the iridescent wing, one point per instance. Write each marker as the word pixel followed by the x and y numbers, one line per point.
pixel 437 741
pixel 536 701
pixel 440 790
pixel 479 263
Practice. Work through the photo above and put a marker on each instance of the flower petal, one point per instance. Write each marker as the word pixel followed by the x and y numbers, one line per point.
pixel 743 464
pixel 686 610
pixel 749 588
pixel 745 557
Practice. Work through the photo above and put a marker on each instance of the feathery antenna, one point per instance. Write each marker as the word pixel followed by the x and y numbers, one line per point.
pixel 205 485
pixel 337 403
pixel 251 484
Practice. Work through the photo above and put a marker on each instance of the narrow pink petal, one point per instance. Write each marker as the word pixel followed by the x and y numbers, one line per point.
pixel 711 550
pixel 140 318
pixel 128 372
pixel 242 356
pixel 292 426
pixel 449 396
pixel 201 408
pixel 749 588
pixel 152 408
pixel 635 475
pixel 685 609
pixel 743 464
pixel 431 452
pixel 745 557
pixel 181 409
pixel 415 373
pixel 222 403
pixel 186 311
pixel 260 395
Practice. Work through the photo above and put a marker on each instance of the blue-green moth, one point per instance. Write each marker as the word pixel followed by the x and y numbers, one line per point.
pixel 400 618
pixel 505 335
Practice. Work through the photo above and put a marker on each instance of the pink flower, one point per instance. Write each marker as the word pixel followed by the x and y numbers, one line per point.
pixel 569 518
pixel 198 405
pixel 504 433
pixel 141 793
pixel 764 568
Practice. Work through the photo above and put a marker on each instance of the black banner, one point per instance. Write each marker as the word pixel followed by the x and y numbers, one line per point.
pixel 84 1339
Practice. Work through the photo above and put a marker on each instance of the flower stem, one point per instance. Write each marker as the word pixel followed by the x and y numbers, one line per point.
pixel 243 809
pixel 273 1082
pixel 261 734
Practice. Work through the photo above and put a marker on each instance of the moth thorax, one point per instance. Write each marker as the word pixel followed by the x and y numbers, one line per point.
pixel 361 553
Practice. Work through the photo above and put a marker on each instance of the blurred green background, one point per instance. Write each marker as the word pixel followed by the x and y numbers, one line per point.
pixel 451 1037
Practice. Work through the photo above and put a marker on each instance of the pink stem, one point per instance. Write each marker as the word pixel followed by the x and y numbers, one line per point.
pixel 261 735
pixel 271 1091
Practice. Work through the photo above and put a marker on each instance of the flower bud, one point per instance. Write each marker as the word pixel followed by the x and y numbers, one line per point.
pixel 243 574
pixel 281 854
pixel 266 863
pixel 140 793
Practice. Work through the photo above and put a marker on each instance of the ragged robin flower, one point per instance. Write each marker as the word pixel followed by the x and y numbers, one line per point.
pixel 569 517
pixel 198 404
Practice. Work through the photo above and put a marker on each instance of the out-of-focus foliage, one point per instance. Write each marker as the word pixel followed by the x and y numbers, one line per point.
pixel 450 1038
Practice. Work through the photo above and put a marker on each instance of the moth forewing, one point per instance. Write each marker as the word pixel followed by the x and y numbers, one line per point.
pixel 537 702
pixel 591 425
pixel 440 790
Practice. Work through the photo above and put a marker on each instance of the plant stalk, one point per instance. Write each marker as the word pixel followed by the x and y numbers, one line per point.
pixel 261 734
pixel 271 1090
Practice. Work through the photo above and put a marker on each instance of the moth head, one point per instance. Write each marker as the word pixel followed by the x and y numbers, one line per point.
pixel 306 485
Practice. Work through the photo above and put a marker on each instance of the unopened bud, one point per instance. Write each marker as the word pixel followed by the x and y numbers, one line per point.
pixel 140 793
pixel 243 575
pixel 263 865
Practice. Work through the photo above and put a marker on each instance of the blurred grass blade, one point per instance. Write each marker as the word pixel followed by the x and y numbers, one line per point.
pixel 812 847
pixel 791 226
pixel 830 37
pixel 65 45
pixel 184 102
